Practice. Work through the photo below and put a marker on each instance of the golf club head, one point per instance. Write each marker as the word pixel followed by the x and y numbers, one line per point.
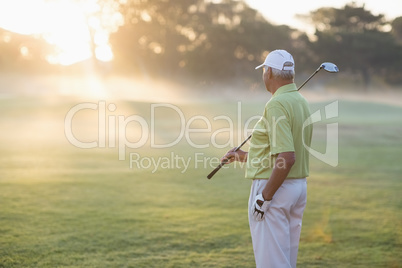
pixel 330 67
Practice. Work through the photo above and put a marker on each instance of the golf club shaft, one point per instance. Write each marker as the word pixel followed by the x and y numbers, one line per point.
pixel 210 175
pixel 311 76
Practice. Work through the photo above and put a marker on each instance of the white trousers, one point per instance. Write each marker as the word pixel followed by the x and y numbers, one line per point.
pixel 276 238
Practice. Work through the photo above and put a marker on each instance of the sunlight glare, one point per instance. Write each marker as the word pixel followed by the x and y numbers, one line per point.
pixel 25 20
pixel 67 32
pixel 71 27
pixel 104 53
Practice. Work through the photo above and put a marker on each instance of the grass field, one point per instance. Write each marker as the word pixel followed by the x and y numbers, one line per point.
pixel 62 206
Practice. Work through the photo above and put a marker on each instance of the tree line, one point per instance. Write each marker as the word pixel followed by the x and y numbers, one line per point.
pixel 202 40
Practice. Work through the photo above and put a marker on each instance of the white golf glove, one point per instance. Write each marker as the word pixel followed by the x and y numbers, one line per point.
pixel 261 207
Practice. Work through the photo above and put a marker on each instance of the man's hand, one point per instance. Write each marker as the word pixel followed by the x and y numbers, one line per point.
pixel 260 207
pixel 233 155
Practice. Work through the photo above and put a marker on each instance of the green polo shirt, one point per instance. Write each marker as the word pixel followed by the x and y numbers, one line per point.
pixel 284 127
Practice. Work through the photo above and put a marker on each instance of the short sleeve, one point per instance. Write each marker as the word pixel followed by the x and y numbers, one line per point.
pixel 279 130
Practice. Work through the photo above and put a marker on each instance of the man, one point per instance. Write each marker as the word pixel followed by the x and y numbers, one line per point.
pixel 278 164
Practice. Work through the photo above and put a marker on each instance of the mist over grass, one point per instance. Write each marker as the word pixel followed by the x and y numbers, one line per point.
pixel 91 85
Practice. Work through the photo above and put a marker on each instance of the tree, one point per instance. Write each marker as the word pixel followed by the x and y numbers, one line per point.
pixel 23 52
pixel 200 38
pixel 397 29
pixel 354 38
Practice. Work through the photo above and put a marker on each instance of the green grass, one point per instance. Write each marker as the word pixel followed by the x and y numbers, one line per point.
pixel 67 207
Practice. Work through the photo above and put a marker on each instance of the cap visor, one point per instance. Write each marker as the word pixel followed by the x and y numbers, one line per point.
pixel 258 67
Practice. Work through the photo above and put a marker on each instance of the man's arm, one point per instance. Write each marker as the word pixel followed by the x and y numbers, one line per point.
pixel 283 164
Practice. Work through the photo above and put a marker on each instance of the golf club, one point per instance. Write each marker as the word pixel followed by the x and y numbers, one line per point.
pixel 327 66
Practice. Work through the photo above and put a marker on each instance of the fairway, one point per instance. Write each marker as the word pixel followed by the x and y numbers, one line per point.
pixel 63 206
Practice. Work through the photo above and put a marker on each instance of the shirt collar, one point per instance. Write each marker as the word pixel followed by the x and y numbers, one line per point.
pixel 285 89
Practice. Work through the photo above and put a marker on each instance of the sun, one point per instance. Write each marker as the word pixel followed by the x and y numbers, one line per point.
pixel 73 27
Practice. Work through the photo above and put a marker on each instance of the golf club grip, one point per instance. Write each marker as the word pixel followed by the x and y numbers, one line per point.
pixel 210 175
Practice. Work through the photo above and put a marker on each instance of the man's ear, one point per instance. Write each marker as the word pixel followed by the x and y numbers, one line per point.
pixel 269 72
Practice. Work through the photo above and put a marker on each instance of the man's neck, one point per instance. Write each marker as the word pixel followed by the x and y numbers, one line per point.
pixel 280 83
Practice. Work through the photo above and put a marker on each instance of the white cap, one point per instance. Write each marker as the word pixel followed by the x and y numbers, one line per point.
pixel 279 59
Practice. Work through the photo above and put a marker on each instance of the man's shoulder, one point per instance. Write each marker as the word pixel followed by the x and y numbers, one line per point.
pixel 274 103
pixel 288 98
pixel 282 100
pixel 286 103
